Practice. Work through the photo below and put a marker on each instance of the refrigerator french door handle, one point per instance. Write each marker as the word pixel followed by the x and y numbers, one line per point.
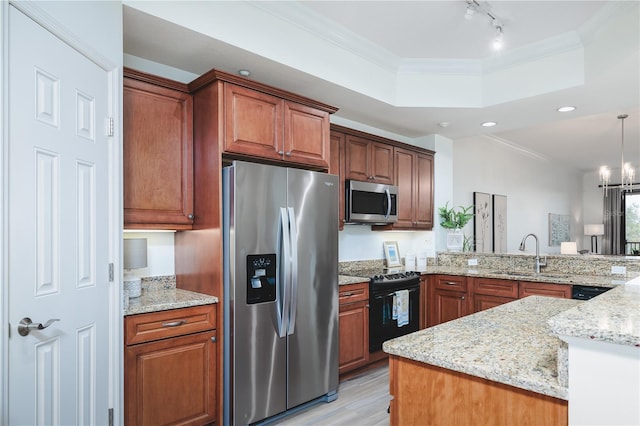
pixel 284 256
pixel 386 191
pixel 294 270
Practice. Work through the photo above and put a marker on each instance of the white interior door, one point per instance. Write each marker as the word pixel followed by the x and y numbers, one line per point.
pixel 58 230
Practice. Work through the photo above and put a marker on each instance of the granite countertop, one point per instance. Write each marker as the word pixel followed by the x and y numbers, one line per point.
pixel 165 299
pixel 547 277
pixel 348 279
pixel 510 344
pixel 612 317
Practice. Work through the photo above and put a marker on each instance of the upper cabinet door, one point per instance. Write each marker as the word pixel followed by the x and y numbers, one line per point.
pixel 405 181
pixel 253 123
pixel 423 187
pixel 157 156
pixel 367 160
pixel 306 135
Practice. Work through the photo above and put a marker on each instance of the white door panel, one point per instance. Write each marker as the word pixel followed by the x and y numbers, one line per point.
pixel 58 230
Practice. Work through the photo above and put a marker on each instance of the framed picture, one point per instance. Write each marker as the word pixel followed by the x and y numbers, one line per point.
pixel 559 228
pixel 482 222
pixel 499 223
pixel 392 254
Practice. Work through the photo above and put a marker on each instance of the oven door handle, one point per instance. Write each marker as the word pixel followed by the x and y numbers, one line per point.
pixel 384 296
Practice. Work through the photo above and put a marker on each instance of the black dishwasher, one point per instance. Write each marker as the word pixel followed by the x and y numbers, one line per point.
pixel 585 292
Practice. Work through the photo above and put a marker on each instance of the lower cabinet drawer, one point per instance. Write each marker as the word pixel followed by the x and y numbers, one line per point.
pixel 350 293
pixel 161 325
pixel 495 287
pixel 450 282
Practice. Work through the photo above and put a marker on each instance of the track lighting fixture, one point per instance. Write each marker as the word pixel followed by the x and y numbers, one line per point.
pixel 471 10
pixel 474 6
pixel 498 42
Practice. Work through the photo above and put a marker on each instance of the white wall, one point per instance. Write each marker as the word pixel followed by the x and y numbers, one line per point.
pixel 160 253
pixel 533 185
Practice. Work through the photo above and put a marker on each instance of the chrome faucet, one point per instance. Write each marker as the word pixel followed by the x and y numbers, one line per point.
pixel 539 263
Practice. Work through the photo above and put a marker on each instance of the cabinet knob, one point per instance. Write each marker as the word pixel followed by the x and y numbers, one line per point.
pixel 280 152
pixel 190 216
pixel 288 153
pixel 462 298
pixel 214 339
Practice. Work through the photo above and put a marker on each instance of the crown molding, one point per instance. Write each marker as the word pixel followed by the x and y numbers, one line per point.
pixel 317 25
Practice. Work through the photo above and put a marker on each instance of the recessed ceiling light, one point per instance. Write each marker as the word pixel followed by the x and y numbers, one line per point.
pixel 489 124
pixel 566 109
pixel 443 124
pixel 244 73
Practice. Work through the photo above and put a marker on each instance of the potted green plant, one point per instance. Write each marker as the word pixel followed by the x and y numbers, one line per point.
pixel 454 219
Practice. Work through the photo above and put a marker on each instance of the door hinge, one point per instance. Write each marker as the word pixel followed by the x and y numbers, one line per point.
pixel 111 272
pixel 110 416
pixel 110 126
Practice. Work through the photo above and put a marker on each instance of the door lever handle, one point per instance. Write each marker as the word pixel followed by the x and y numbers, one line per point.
pixel 26 325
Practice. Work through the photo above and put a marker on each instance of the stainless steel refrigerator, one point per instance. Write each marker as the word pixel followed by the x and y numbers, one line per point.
pixel 280 289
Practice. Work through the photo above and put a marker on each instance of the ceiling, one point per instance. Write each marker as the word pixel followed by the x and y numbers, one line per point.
pixel 419 67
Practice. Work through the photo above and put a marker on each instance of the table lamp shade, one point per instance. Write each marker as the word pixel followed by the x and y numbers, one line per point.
pixel 135 257
pixel 594 229
pixel 135 253
pixel 569 247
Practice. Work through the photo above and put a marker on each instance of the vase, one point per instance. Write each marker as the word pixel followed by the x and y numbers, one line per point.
pixel 455 240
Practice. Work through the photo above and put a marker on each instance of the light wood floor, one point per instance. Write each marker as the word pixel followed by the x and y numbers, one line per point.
pixel 362 400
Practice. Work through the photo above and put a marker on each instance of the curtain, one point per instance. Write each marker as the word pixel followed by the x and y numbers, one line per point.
pixel 613 241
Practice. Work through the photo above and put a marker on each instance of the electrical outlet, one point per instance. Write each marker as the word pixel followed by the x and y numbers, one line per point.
pixel 472 262
pixel 619 270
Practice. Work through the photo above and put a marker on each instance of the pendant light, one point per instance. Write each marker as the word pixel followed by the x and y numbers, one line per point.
pixel 626 171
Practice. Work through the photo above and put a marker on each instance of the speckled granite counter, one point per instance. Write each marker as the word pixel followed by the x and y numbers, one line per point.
pixel 544 277
pixel 510 344
pixel 165 299
pixel 347 279
pixel 612 317
pixel 548 277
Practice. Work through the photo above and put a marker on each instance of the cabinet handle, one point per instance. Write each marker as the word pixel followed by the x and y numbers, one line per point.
pixel 174 323
pixel 190 216
pixel 449 282
pixel 347 294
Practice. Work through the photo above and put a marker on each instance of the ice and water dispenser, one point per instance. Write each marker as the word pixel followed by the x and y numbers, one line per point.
pixel 261 278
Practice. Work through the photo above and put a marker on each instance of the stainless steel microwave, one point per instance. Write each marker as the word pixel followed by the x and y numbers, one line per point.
pixel 368 202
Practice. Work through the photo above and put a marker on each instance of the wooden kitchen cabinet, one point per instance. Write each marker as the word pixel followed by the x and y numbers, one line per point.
pixel 266 126
pixel 354 326
pixel 414 179
pixel 530 288
pixel 157 153
pixel 490 292
pixel 367 160
pixel 336 167
pixel 170 367
pixel 448 298
pixel 424 302
pixel 372 158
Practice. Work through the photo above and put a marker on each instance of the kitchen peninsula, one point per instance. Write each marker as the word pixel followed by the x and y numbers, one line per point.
pixel 506 366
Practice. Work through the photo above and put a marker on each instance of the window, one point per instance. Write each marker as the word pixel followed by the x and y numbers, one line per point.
pixel 632 223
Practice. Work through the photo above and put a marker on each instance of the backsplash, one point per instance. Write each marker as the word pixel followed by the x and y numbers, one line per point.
pixel 564 264
pixel 159 283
